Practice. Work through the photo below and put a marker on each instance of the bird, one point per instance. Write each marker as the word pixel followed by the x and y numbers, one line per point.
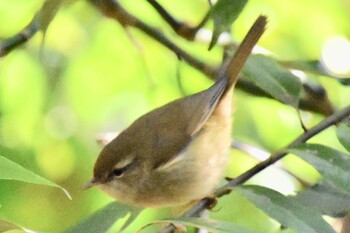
pixel 176 154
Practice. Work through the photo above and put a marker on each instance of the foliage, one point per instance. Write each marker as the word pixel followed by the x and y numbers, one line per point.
pixel 12 171
pixel 95 74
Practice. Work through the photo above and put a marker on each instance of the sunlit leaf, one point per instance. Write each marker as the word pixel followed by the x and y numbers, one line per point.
pixel 224 13
pixel 326 199
pixel 209 224
pixel 133 215
pixel 313 66
pixel 287 211
pixel 274 79
pixel 104 219
pixel 333 165
pixel 13 171
pixel 343 134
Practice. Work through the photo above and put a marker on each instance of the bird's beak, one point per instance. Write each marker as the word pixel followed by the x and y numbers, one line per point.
pixel 93 182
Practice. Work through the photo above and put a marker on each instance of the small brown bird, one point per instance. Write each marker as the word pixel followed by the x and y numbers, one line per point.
pixel 176 154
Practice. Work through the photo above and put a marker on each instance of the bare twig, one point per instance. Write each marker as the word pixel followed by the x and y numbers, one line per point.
pixel 326 123
pixel 11 43
pixel 262 155
pixel 181 28
pixel 314 97
pixel 251 150
pixel 313 100
pixel 329 121
pixel 114 10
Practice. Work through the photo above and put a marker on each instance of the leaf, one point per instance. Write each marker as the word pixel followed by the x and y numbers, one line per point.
pixel 208 224
pixel 274 79
pixel 104 219
pixel 224 13
pixel 326 199
pixel 343 134
pixel 13 171
pixel 133 215
pixel 314 66
pixel 333 165
pixel 286 210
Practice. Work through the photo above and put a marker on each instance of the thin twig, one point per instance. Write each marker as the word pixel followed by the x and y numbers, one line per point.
pixel 181 28
pixel 251 150
pixel 224 190
pixel 311 101
pixel 23 36
pixel 314 97
pixel 173 23
pixel 114 10
pixel 329 121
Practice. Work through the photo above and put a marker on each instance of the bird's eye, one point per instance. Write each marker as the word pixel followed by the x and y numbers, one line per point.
pixel 118 172
pixel 121 168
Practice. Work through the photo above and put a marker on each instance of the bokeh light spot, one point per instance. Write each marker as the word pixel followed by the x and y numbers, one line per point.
pixel 336 56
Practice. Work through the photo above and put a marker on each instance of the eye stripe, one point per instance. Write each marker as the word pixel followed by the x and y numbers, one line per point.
pixel 124 163
pixel 119 171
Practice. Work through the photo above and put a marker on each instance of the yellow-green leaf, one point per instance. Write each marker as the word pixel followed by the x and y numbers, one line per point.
pixel 102 220
pixel 224 13
pixel 333 165
pixel 325 198
pixel 343 134
pixel 287 211
pixel 12 171
pixel 274 79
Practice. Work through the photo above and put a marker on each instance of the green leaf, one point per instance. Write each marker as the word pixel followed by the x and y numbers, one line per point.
pixel 274 79
pixel 104 219
pixel 333 165
pixel 13 171
pixel 209 224
pixel 285 210
pixel 326 199
pixel 314 66
pixel 224 13
pixel 343 134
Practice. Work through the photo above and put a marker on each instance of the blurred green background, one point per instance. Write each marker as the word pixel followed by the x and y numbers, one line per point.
pixel 92 76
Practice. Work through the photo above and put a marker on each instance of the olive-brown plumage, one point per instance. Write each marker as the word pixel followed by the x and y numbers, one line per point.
pixel 175 154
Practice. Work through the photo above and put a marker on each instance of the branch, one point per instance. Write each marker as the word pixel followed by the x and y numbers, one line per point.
pixel 181 28
pixel 23 36
pixel 326 123
pixel 311 101
pixel 115 11
pixel 314 97
pixel 226 189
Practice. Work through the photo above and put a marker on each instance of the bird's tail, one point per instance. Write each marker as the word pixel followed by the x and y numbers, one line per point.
pixel 236 63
